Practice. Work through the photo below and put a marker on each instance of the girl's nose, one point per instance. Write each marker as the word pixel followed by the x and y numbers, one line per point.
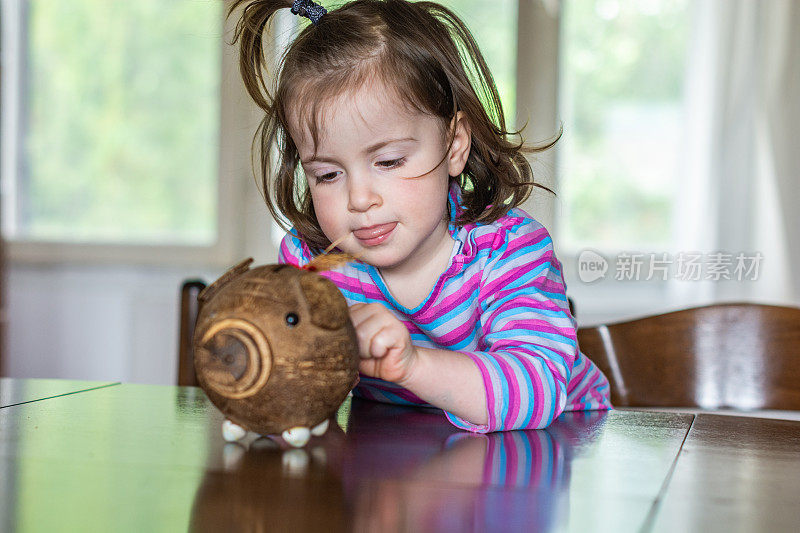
pixel 362 193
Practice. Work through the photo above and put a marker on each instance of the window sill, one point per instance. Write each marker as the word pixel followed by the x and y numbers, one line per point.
pixel 26 252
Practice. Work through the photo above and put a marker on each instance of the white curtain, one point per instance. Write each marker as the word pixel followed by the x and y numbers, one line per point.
pixel 741 180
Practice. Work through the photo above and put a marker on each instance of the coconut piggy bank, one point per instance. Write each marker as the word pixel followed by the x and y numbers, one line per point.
pixel 275 351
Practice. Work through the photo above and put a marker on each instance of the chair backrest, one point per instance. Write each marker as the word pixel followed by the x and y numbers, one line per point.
pixel 190 308
pixel 740 356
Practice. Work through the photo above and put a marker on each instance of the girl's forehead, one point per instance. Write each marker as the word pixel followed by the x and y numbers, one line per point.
pixel 372 110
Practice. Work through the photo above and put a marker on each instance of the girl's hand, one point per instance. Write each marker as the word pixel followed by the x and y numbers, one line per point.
pixel 384 343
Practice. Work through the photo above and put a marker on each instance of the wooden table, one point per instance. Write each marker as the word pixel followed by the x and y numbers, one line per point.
pixel 81 456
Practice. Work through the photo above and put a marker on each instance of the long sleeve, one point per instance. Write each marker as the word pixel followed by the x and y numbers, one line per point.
pixel 503 304
pixel 528 344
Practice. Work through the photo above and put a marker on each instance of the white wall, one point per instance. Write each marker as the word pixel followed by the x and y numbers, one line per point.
pixel 111 323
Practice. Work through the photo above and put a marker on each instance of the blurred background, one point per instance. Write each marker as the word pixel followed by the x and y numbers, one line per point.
pixel 126 166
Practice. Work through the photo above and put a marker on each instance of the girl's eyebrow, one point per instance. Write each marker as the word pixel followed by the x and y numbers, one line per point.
pixel 368 150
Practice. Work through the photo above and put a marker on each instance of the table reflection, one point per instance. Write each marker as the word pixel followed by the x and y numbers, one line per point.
pixel 268 487
pixel 394 468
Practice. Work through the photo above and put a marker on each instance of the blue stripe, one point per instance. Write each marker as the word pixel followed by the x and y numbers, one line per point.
pixel 492 363
pixel 527 456
pixel 552 355
pixel 386 293
pixel 355 296
pixel 527 249
pixel 499 302
pixel 380 392
pixel 468 302
pixel 510 333
pixel 513 311
pixel 524 279
pixel 502 462
pixel 513 360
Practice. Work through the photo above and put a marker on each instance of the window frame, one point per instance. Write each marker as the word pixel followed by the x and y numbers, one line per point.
pixel 238 121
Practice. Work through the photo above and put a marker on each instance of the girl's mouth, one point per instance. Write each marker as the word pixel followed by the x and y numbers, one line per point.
pixel 374 235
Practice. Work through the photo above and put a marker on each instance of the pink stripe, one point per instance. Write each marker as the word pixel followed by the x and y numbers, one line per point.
pixel 461 332
pixel 527 239
pixel 540 284
pixel 537 458
pixel 489 386
pixel 389 387
pixel 596 397
pixel 451 301
pixel 513 391
pixel 512 459
pixel 353 284
pixel 538 393
pixel 529 351
pixel 551 285
pixel 413 328
pixel 556 372
pixel 519 241
pixel 508 223
pixel 285 256
pixel 484 241
pixel 488 466
pixel 540 326
pixel 587 385
pixel 522 301
pixel 511 275
pixel 575 380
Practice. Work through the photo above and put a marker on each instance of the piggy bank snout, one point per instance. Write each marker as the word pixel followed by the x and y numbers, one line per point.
pixel 229 354
pixel 234 358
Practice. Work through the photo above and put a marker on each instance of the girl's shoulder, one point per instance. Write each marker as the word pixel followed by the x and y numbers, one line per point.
pixel 293 250
pixel 514 230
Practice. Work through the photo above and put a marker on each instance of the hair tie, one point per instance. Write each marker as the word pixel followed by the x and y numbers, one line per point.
pixel 308 9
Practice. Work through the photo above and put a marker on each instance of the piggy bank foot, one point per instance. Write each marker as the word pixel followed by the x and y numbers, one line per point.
pixel 297 436
pixel 320 429
pixel 232 432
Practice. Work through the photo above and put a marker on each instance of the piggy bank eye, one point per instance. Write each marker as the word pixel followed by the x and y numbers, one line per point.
pixel 292 319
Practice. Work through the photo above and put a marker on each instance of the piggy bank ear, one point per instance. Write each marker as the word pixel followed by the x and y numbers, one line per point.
pixel 327 305
pixel 232 273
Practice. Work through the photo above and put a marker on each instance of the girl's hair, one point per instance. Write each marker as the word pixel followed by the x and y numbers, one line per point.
pixel 422 52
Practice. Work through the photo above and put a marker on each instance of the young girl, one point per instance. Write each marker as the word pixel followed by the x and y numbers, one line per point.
pixel 457 298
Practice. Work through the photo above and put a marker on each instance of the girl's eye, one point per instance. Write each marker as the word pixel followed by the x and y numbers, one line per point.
pixel 325 177
pixel 392 163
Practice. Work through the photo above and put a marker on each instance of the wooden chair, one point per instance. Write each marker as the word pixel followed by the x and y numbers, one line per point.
pixel 190 307
pixel 739 356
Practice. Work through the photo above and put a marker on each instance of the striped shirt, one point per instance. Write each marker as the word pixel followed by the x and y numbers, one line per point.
pixel 502 303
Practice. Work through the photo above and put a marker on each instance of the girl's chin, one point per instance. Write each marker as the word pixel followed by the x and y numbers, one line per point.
pixel 379 259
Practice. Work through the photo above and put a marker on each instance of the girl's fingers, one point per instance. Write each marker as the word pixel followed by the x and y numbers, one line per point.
pixel 368 367
pixel 366 330
pixel 381 342
pixel 360 312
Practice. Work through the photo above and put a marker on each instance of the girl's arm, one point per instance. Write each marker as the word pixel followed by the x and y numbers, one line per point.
pixel 529 361
pixel 449 380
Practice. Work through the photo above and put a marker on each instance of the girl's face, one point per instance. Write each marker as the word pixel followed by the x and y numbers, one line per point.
pixel 369 142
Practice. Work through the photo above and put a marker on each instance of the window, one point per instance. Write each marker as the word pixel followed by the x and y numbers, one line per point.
pixel 494 26
pixel 111 122
pixel 621 99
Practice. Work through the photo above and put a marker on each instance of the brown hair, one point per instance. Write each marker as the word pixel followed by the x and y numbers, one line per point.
pixel 420 49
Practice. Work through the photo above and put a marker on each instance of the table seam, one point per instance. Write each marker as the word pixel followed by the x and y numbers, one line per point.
pixel 651 515
pixel 63 394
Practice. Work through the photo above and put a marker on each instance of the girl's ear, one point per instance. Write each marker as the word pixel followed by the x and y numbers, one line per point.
pixel 462 142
